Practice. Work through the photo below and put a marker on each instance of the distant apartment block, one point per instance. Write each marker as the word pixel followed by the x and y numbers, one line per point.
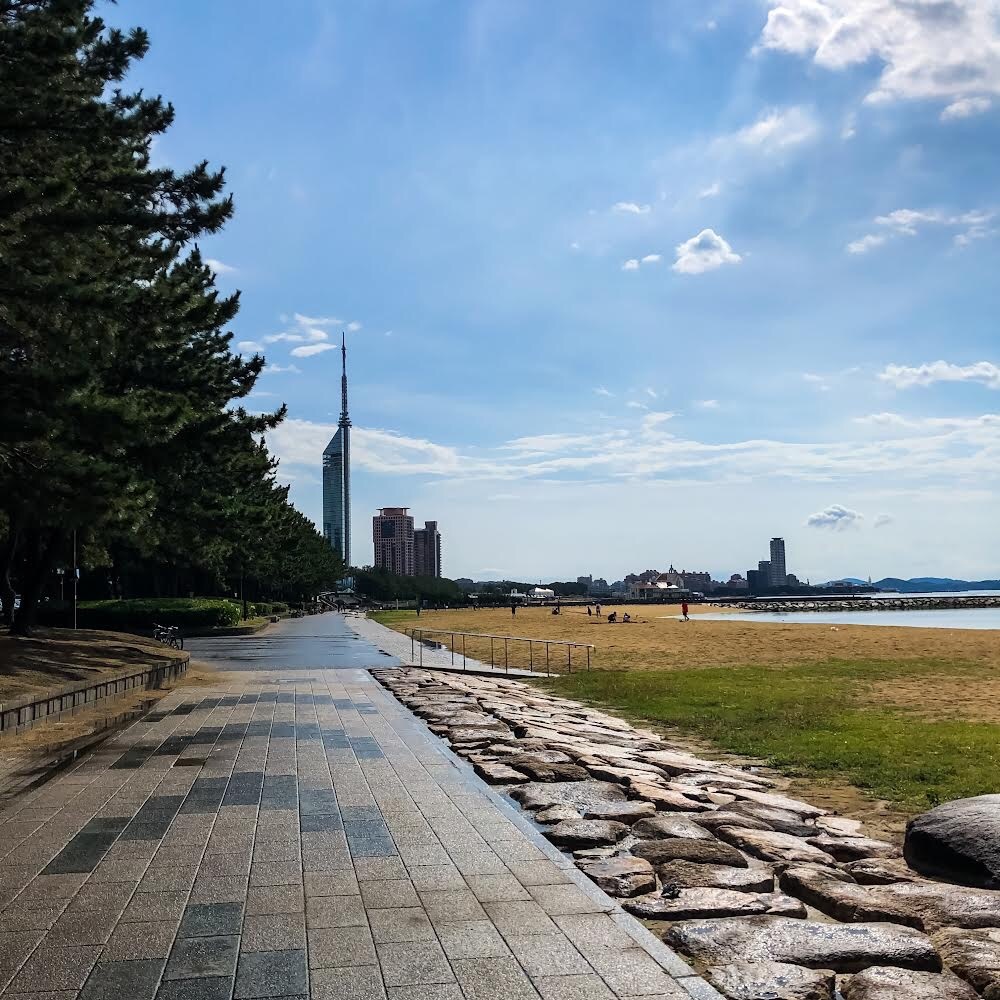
pixel 392 534
pixel 427 550
pixel 778 574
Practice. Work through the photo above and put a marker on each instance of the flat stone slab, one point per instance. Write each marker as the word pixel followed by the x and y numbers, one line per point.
pixel 586 832
pixel 659 827
pixel 771 980
pixel 579 794
pixel 696 904
pixel 621 812
pixel 688 875
pixel 769 845
pixel 498 774
pixel 846 901
pixel 667 799
pixel 841 947
pixel 854 848
pixel 974 955
pixel 621 876
pixel 705 852
pixel 904 984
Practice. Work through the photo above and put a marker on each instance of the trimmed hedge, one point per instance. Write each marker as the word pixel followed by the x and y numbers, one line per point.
pixel 198 612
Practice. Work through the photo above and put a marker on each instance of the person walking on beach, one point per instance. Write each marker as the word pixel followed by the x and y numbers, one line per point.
pixel 513 609
pixel 684 611
pixel 589 613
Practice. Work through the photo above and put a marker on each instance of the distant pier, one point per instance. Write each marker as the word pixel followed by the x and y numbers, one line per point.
pixel 902 602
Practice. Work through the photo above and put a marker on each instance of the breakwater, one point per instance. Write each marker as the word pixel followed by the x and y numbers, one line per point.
pixel 913 602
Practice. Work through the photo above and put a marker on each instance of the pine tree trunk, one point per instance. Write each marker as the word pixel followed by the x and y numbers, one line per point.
pixel 7 554
pixel 39 557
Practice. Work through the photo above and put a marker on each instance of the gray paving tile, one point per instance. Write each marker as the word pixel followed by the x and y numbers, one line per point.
pixel 140 941
pixel 451 904
pixel 364 983
pixel 631 972
pixel 547 955
pixel 88 927
pixel 155 906
pixel 334 883
pixel 496 888
pixel 267 873
pixel 211 919
pixel 203 957
pixel 448 991
pixel 136 980
pixel 339 947
pixel 413 963
pixel 520 917
pixel 472 939
pixel 274 932
pixel 384 893
pixel 538 873
pixel 335 911
pixel 588 987
pixel 56 967
pixel 407 923
pixel 558 899
pixel 271 974
pixel 375 868
pixel 493 979
pixel 214 988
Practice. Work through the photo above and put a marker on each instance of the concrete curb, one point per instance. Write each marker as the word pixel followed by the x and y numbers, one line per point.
pixel 22 713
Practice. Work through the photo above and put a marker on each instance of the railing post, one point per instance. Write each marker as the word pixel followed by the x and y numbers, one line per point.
pixel 491 653
pixel 411 645
pixel 547 671
pixel 569 658
pixel 465 666
pixel 453 649
pixel 506 661
pixel 588 659
pixel 531 656
pixel 421 649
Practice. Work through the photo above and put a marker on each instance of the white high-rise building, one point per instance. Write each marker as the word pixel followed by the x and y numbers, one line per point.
pixel 337 476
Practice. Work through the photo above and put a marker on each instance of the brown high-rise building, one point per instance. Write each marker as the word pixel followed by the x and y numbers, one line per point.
pixel 427 550
pixel 392 533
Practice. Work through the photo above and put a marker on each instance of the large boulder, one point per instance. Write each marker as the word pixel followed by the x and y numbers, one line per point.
pixel 667 799
pixel 771 981
pixel 688 875
pixel 905 984
pixel 622 876
pixel 958 841
pixel 498 774
pixel 841 947
pixel 542 766
pixel 658 827
pixel 943 905
pixel 703 852
pixel 725 817
pixel 586 832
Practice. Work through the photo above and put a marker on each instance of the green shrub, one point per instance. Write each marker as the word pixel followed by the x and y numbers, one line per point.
pixel 279 608
pixel 198 612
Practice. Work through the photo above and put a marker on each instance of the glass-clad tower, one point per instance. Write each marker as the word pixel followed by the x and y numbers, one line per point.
pixel 337 475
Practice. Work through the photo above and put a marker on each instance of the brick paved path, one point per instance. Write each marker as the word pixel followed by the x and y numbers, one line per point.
pixel 298 833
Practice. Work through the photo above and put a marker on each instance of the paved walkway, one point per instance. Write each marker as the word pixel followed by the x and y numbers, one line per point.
pixel 298 833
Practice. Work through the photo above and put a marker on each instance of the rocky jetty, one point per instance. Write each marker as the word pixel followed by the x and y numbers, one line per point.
pixel 770 896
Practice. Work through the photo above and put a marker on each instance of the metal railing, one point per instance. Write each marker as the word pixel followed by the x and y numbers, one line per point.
pixel 546 662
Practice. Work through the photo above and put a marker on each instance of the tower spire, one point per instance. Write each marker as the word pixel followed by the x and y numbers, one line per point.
pixel 345 420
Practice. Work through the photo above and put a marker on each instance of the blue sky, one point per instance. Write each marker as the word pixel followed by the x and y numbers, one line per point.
pixel 623 284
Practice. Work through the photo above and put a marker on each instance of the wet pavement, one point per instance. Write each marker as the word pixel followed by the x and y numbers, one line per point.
pixel 324 641
pixel 293 831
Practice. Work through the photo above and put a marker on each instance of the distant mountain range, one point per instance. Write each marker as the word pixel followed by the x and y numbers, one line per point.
pixel 928 584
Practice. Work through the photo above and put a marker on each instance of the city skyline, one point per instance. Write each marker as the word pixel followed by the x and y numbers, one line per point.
pixel 662 276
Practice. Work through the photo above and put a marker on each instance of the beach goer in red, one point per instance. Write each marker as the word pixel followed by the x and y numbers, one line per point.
pixel 684 611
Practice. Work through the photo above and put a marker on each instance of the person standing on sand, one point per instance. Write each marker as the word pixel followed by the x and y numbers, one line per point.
pixel 588 611
pixel 513 609
pixel 684 611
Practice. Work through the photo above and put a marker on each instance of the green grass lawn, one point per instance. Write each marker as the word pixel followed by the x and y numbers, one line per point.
pixel 815 719
pixel 390 618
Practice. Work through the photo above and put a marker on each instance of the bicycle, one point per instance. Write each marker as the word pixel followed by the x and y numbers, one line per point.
pixel 169 635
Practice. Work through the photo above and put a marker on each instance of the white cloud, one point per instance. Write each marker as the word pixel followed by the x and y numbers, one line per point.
pixel 704 252
pixel 354 326
pixel 250 347
pixel 284 369
pixel 711 191
pixel 966 107
pixel 631 265
pixel 929 49
pixel 779 129
pixel 881 520
pixel 708 404
pixel 835 517
pixel 651 392
pixel 634 405
pixel 909 222
pixel 317 320
pixel 651 258
pixel 906 376
pixel 601 391
pixel 866 243
pixel 219 268
pixel 631 208
pixel 819 381
pixel 308 350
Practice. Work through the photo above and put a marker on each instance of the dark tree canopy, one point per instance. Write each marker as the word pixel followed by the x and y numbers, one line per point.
pixel 120 416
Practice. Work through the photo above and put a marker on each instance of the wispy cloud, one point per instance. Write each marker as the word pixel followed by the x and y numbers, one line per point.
pixel 250 347
pixel 631 208
pixel 284 369
pixel 907 376
pixel 966 107
pixel 601 391
pixel 707 404
pixel 909 222
pixel 712 191
pixel 308 350
pixel 651 258
pixel 882 520
pixel 704 252
pixel 317 320
pixel 777 130
pixel 632 264
pixel 219 268
pixel 866 243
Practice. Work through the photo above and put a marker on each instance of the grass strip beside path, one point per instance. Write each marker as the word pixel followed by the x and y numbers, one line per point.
pixel 813 719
